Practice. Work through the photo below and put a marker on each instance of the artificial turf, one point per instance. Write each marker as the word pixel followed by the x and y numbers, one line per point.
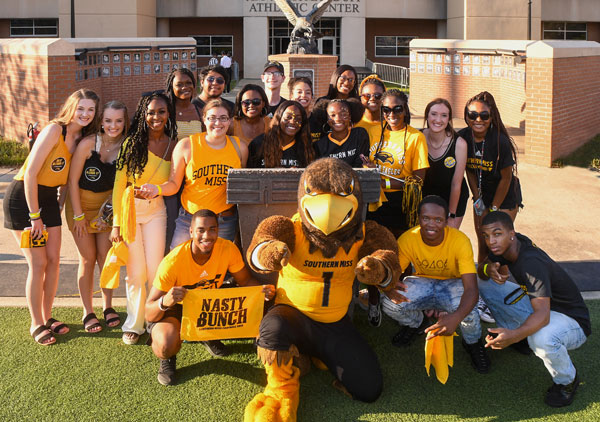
pixel 96 377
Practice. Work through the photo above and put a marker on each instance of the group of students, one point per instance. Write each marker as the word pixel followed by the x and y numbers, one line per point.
pixel 172 160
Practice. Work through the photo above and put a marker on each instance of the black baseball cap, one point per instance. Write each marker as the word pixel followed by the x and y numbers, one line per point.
pixel 274 63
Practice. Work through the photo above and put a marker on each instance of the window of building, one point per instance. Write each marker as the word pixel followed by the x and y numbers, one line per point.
pixel 206 45
pixel 392 46
pixel 565 31
pixel 34 27
pixel 280 30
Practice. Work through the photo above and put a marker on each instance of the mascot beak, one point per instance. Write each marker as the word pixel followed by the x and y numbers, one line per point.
pixel 329 212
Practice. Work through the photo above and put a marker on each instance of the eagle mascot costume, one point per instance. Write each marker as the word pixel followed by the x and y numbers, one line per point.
pixel 318 253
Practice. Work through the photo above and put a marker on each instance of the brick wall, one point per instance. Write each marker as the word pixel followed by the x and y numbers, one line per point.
pixel 458 77
pixel 33 88
pixel 538 130
pixel 322 66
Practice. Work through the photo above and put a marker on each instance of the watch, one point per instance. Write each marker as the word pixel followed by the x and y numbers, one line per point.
pixel 451 215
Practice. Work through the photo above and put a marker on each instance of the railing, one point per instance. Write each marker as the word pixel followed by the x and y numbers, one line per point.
pixel 390 73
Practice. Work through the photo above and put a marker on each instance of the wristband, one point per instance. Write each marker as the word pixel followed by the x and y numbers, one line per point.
pixel 159 189
pixel 388 183
pixel 493 208
pixel 485 270
pixel 35 215
pixel 161 306
pixel 451 215
pixel 79 217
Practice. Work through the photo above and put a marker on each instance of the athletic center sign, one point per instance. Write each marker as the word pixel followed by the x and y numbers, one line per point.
pixel 353 8
pixel 213 314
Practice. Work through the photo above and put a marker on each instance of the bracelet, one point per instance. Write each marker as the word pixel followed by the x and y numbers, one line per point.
pixel 35 215
pixel 79 217
pixel 159 189
pixel 161 306
pixel 451 215
pixel 485 270
pixel 388 183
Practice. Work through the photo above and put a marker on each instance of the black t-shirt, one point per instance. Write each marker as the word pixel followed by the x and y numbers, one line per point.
pixel 540 276
pixel 496 156
pixel 200 103
pixel 290 157
pixel 349 151
pixel 272 108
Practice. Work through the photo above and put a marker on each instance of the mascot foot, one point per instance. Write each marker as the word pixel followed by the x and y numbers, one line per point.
pixel 279 401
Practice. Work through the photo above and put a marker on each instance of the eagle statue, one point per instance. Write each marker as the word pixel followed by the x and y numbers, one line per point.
pixel 304 34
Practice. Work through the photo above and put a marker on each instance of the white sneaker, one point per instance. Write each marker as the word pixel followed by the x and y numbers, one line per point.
pixel 484 312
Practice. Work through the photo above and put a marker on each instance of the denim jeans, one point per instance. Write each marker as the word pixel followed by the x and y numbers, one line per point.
pixel 227 227
pixel 550 343
pixel 428 293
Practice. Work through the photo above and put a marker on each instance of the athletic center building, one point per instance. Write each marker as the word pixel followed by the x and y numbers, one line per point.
pixel 355 30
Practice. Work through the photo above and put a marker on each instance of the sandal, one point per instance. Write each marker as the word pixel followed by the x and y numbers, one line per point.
pixel 57 327
pixel 129 337
pixel 39 337
pixel 111 322
pixel 91 327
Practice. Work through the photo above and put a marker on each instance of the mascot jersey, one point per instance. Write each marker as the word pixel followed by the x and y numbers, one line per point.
pixel 206 174
pixel 55 170
pixel 319 287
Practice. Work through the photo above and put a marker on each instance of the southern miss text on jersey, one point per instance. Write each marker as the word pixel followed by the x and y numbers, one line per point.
pixel 319 287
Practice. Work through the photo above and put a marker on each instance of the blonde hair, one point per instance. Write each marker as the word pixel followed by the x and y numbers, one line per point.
pixel 67 111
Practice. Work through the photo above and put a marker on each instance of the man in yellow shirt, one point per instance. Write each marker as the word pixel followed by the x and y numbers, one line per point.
pixel 200 263
pixel 444 279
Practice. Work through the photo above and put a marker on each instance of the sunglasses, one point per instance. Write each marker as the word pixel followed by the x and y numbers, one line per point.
pixel 222 119
pixel 212 79
pixel 473 115
pixel 253 101
pixel 377 96
pixel 396 109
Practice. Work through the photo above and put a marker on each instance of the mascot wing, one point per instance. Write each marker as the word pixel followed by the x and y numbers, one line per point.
pixel 271 244
pixel 315 14
pixel 289 10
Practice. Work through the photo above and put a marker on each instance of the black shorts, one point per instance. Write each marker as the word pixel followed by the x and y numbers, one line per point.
pixel 338 344
pixel 175 312
pixel 16 212
pixel 390 214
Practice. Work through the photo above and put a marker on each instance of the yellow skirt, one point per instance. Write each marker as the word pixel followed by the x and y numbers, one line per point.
pixel 90 204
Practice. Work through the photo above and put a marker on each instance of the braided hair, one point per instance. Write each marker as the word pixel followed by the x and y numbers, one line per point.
pixel 134 151
pixel 271 146
pixel 171 77
pixel 488 99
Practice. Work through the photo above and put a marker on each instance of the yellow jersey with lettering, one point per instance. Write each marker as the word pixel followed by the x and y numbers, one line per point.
pixel 401 153
pixel 372 128
pixel 206 174
pixel 55 170
pixel 319 287
pixel 450 259
pixel 178 268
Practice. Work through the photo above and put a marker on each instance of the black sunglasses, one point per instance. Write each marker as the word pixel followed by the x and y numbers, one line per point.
pixel 473 115
pixel 377 96
pixel 396 109
pixel 212 79
pixel 253 101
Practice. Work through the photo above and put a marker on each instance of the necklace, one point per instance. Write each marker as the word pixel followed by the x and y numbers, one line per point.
pixel 433 146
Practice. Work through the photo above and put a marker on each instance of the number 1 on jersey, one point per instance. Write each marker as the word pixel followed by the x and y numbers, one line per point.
pixel 327 275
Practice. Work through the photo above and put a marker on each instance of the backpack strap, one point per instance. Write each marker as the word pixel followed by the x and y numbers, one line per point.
pixel 236 147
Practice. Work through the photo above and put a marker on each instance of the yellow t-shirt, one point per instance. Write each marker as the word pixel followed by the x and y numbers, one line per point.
pixel 372 128
pixel 206 174
pixel 319 287
pixel 450 259
pixel 55 170
pixel 178 268
pixel 156 172
pixel 394 160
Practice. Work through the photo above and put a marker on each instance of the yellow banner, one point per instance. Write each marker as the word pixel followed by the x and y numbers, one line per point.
pixel 214 314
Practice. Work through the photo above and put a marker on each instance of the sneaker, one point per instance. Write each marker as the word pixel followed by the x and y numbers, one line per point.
pixel 216 348
pixel 166 371
pixel 479 358
pixel 374 316
pixel 405 336
pixel 559 395
pixel 484 312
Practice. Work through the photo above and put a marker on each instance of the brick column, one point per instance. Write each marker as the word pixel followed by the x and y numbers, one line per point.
pixel 322 66
pixel 539 111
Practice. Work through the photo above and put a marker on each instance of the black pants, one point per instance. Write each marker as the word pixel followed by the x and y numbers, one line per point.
pixel 339 345
pixel 229 73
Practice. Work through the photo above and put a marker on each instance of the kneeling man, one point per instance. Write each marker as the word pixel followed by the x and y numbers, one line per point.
pixel 201 262
pixel 547 309
pixel 445 280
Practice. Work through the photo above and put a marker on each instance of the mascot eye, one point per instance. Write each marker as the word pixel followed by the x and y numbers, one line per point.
pixel 308 191
pixel 349 190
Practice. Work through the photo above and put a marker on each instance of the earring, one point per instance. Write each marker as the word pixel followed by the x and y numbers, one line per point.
pixel 512 238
